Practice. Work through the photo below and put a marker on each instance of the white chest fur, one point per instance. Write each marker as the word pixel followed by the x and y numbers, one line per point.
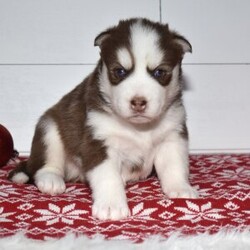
pixel 133 149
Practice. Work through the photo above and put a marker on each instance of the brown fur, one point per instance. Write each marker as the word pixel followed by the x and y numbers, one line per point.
pixel 70 115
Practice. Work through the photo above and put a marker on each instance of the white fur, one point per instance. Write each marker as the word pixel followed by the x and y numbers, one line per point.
pixel 145 47
pixel 234 240
pixel 108 192
pixel 49 182
pixel 124 58
pixel 73 171
pixel 20 178
pixel 49 179
pixel 171 163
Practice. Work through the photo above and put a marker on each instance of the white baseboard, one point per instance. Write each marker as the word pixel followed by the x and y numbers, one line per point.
pixel 221 151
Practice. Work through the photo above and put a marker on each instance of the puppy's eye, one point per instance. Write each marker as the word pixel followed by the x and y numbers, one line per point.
pixel 121 73
pixel 159 73
pixel 162 74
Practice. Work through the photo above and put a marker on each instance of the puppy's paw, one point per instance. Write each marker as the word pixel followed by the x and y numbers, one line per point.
pixel 50 183
pixel 110 210
pixel 181 191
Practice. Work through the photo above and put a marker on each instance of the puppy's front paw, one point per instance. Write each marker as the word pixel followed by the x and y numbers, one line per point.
pixel 110 210
pixel 181 191
pixel 50 183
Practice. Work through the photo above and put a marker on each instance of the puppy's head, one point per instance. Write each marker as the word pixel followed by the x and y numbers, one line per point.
pixel 140 68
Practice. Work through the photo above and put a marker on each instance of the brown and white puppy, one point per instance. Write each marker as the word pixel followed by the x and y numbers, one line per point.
pixel 123 119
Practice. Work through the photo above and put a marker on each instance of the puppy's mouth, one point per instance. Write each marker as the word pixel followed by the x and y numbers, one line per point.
pixel 140 119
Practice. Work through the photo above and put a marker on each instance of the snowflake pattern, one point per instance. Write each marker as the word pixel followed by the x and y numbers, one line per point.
pixel 55 214
pixel 222 181
pixel 231 206
pixel 23 217
pixel 203 192
pixel 241 186
pixel 25 206
pixel 74 191
pixel 196 213
pixel 141 213
pixel 136 189
pixel 238 173
pixel 6 190
pixel 3 216
pixel 166 215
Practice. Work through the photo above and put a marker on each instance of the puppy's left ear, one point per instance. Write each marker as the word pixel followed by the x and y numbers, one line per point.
pixel 101 38
pixel 183 42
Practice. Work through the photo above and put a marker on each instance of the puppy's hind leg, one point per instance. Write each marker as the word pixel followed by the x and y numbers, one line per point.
pixel 50 178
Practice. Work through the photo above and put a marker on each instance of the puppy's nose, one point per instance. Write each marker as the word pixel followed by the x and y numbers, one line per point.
pixel 138 104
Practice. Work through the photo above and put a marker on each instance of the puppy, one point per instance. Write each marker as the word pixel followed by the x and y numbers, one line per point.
pixel 124 118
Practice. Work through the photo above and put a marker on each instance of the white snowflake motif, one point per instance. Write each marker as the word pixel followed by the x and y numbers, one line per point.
pixel 139 213
pixel 74 191
pixel 203 192
pixel 25 206
pixel 55 214
pixel 22 224
pixel 235 214
pixel 231 206
pixel 165 203
pixel 217 184
pixel 4 215
pixel 241 186
pixel 220 159
pixel 139 190
pixel 166 215
pixel 239 220
pixel 23 217
pixel 238 173
pixel 6 190
pixel 196 213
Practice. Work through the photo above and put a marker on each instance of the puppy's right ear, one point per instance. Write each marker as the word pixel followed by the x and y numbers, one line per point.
pixel 101 38
pixel 183 42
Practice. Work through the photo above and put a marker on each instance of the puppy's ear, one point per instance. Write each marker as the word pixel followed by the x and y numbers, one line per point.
pixel 183 42
pixel 101 38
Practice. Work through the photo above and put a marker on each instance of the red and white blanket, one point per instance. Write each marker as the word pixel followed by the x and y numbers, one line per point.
pixel 223 182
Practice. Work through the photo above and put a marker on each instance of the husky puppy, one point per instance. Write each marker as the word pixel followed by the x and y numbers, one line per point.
pixel 124 118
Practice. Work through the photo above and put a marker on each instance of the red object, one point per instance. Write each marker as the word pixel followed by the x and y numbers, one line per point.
pixel 6 146
pixel 223 182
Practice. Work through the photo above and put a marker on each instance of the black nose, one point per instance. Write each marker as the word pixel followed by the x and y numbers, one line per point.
pixel 138 104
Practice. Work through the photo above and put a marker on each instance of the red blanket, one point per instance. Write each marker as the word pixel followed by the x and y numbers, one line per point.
pixel 223 182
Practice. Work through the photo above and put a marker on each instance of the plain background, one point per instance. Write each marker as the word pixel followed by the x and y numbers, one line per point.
pixel 46 48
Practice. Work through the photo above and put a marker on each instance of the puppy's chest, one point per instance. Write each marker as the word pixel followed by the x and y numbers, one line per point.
pixel 135 157
pixel 129 147
pixel 136 152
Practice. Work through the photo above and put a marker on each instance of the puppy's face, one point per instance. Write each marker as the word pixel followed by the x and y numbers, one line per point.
pixel 140 69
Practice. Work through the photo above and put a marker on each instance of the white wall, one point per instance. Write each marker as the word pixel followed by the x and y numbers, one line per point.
pixel 46 48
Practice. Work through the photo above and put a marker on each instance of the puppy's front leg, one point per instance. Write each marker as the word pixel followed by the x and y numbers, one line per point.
pixel 108 192
pixel 172 167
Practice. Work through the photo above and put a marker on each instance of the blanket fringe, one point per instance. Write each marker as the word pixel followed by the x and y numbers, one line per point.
pixel 235 240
